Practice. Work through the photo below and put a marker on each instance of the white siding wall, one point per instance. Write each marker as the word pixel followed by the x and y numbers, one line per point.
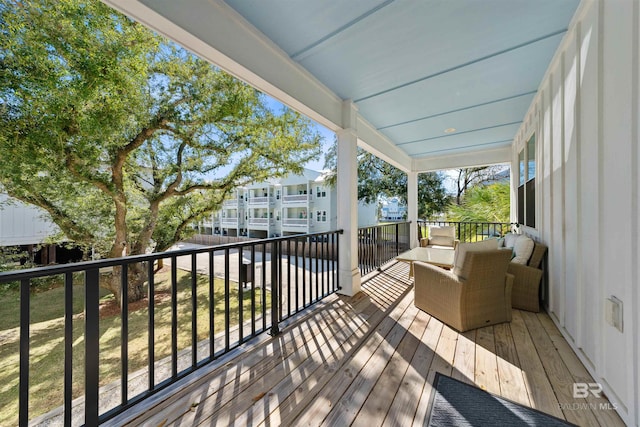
pixel 367 214
pixel 22 224
pixel 586 117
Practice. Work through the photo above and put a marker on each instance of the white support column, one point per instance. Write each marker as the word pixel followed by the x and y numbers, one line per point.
pixel 347 189
pixel 412 207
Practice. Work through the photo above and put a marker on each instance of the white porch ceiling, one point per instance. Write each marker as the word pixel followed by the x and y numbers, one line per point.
pixel 413 68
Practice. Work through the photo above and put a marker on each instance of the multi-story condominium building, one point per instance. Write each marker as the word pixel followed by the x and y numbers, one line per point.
pixel 392 210
pixel 296 204
pixel 261 208
pixel 231 218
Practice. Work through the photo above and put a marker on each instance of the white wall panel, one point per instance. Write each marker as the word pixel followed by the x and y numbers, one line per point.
pixel 556 260
pixel 588 210
pixel 21 224
pixel 616 199
pixel 571 186
pixel 588 136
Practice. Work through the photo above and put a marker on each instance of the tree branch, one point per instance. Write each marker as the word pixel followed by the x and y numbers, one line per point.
pixel 71 162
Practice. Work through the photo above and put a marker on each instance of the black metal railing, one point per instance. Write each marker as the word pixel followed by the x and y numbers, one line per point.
pixel 379 244
pixel 247 287
pixel 467 231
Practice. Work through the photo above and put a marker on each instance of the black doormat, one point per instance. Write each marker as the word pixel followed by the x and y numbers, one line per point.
pixel 454 403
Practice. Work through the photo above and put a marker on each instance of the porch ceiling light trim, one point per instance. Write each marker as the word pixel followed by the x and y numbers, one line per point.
pixel 452 130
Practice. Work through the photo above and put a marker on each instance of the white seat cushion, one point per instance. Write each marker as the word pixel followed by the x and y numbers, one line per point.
pixel 522 249
pixel 463 248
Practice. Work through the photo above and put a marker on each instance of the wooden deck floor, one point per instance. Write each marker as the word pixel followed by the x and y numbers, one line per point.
pixel 370 360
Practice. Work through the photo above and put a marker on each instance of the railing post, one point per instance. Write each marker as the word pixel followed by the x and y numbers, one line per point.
pixel 25 321
pixel 275 329
pixel 92 346
pixel 397 239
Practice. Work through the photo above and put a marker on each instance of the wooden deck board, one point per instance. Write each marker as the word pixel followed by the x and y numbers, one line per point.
pixel 375 408
pixel 371 360
pixel 464 361
pixel 443 363
pixel 558 374
pixel 486 374
pixel 366 366
pixel 600 406
pixel 406 402
pixel 512 382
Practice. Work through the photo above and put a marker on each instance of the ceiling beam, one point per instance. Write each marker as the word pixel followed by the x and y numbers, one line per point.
pixel 377 144
pixel 467 159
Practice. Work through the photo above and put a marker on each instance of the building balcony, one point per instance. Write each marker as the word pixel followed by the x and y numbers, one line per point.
pixel 229 222
pixel 296 199
pixel 296 223
pixel 261 201
pixel 230 203
pixel 260 223
pixel 559 98
pixel 368 358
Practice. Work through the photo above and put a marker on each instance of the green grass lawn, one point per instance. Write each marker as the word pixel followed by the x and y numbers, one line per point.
pixel 47 338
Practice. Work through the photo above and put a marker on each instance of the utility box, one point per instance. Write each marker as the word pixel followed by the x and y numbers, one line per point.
pixel 613 312
pixel 246 272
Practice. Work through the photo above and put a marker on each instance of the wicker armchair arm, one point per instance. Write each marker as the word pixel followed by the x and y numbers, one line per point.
pixel 424 242
pixel 526 285
pixel 430 275
pixel 508 293
pixel 438 292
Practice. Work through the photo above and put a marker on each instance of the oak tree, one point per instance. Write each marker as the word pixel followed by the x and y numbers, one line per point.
pixel 124 138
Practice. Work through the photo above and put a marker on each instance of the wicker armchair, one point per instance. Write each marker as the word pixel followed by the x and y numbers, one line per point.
pixel 480 296
pixel 440 237
pixel 526 282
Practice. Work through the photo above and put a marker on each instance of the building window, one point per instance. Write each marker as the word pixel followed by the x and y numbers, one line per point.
pixel 527 184
pixel 320 192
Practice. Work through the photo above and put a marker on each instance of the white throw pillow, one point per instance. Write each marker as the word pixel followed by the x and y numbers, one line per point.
pixel 510 240
pixel 463 248
pixel 523 249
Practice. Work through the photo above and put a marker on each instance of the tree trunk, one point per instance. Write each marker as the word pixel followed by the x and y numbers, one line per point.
pixel 136 278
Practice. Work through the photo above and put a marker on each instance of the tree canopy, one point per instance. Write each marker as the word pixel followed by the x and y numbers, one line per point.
pixel 467 178
pixel 378 178
pixel 483 203
pixel 124 138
